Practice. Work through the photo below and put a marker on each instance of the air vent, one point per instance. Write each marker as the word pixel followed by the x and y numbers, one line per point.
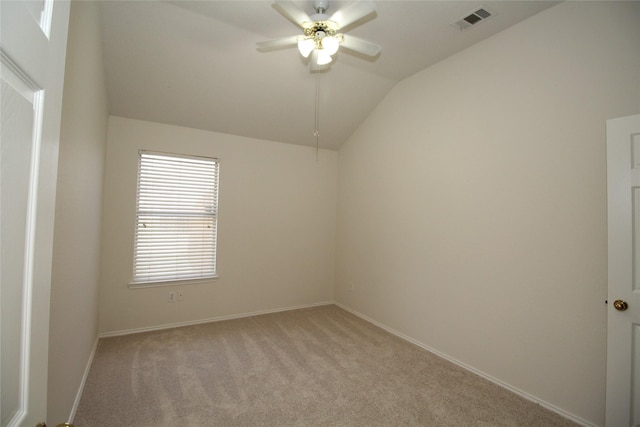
pixel 473 19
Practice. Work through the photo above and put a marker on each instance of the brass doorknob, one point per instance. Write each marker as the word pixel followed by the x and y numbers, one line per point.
pixel 620 305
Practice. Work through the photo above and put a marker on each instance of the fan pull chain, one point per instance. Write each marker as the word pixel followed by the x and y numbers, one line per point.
pixel 316 124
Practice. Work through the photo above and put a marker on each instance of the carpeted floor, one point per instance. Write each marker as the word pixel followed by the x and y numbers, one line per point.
pixel 320 366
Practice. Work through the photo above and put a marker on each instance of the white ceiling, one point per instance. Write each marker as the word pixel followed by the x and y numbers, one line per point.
pixel 195 63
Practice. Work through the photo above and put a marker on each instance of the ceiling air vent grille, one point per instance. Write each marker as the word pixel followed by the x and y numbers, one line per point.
pixel 473 18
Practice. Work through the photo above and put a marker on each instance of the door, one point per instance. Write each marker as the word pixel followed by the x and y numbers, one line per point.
pixel 32 50
pixel 623 328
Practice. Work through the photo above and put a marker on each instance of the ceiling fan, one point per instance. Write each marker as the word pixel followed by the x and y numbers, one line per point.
pixel 321 32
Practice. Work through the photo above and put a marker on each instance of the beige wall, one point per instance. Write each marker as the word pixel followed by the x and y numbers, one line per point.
pixel 276 229
pixel 472 202
pixel 76 248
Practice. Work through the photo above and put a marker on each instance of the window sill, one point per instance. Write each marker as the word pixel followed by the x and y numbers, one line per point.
pixel 164 283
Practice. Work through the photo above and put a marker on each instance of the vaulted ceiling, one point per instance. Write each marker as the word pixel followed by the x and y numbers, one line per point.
pixel 195 63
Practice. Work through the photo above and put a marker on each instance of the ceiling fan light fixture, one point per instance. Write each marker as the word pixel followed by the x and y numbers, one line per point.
pixel 330 44
pixel 323 57
pixel 321 39
pixel 306 46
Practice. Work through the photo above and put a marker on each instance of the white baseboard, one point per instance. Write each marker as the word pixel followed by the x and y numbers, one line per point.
pixel 209 320
pixel 502 384
pixel 87 368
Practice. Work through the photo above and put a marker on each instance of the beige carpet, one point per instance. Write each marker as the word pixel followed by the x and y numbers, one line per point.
pixel 313 367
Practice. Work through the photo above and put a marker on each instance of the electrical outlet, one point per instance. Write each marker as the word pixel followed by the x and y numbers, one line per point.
pixel 172 296
pixel 180 296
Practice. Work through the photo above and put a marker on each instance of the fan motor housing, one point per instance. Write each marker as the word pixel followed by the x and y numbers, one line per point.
pixel 326 28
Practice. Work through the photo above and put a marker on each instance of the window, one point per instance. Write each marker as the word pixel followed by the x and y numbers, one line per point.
pixel 176 218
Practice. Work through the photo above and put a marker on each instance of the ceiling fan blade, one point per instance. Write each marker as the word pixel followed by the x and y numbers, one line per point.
pixel 277 43
pixel 352 13
pixel 290 11
pixel 359 45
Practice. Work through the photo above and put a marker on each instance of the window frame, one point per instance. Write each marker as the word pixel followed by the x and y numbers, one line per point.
pixel 138 280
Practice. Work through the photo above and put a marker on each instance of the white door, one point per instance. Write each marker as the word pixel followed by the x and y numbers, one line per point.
pixel 33 38
pixel 623 329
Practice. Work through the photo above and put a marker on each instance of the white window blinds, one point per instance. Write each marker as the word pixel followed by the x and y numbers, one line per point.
pixel 176 218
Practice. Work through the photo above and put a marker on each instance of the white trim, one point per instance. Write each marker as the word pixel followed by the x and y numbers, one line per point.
pixel 502 384
pixel 29 263
pixel 164 283
pixel 46 17
pixel 209 320
pixel 18 79
pixel 87 369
